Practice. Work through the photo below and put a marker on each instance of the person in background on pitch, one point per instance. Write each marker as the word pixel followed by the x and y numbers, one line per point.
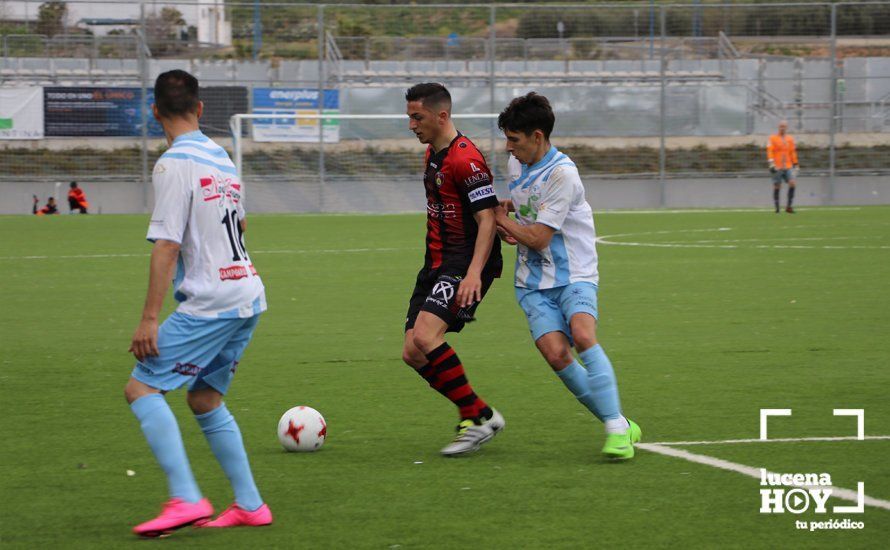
pixel 462 259
pixel 556 265
pixel 77 199
pixel 781 153
pixel 50 208
pixel 197 228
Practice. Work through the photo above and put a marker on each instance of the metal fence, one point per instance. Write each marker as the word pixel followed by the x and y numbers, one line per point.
pixel 643 92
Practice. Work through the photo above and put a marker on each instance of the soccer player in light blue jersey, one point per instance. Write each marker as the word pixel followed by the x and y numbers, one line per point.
pixel 197 229
pixel 556 266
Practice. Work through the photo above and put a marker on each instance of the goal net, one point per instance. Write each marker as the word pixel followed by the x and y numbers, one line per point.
pixel 332 162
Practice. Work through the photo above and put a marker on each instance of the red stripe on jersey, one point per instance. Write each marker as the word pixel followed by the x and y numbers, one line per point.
pixel 434 243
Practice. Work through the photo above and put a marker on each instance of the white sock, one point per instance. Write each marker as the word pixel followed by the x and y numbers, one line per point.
pixel 617 425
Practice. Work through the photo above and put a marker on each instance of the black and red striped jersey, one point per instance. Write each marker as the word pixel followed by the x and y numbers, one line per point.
pixel 458 183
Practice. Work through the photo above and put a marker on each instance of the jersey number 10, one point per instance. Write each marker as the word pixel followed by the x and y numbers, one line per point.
pixel 235 235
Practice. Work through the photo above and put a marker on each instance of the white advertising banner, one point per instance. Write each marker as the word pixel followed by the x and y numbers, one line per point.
pixel 21 113
pixel 295 101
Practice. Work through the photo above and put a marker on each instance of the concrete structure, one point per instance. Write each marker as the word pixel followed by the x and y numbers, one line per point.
pixel 207 16
pixel 406 195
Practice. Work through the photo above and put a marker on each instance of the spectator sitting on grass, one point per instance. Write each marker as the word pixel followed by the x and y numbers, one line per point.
pixel 50 207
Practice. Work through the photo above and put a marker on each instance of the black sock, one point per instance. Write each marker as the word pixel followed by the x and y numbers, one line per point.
pixel 776 197
pixel 790 196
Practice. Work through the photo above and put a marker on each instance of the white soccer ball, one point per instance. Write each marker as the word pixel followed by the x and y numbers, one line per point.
pixel 302 429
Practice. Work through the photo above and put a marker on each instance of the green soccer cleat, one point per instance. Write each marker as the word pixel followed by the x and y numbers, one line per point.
pixel 621 446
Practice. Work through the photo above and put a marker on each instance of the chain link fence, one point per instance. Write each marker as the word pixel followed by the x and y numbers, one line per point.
pixel 645 94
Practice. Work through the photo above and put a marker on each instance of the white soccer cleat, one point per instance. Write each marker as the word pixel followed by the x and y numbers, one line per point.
pixel 471 436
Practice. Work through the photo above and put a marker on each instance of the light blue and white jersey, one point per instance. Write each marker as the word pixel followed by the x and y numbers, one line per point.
pixel 199 204
pixel 550 192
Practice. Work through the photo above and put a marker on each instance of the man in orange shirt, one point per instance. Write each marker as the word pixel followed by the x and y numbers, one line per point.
pixel 77 199
pixel 781 152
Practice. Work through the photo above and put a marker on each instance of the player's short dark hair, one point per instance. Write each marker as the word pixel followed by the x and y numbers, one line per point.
pixel 526 114
pixel 176 93
pixel 73 184
pixel 430 94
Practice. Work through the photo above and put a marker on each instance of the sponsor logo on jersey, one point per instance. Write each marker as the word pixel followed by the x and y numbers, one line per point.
pixel 440 210
pixel 443 290
pixel 213 188
pixel 473 167
pixel 233 273
pixel 233 190
pixel 481 193
pixel 209 190
pixel 479 177
pixel 536 262
pixel 187 369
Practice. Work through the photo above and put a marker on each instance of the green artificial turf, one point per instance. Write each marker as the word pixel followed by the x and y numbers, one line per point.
pixel 707 317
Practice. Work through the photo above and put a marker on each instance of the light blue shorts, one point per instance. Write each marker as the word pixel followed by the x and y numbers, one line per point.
pixel 551 309
pixel 198 351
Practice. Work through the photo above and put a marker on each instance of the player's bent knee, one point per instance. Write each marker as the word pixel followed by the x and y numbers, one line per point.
pixel 583 328
pixel 425 341
pixel 204 401
pixel 558 360
pixel 557 356
pixel 136 389
pixel 413 358
pixel 584 340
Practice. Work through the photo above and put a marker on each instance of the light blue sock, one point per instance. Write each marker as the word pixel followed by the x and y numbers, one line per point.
pixel 162 432
pixel 601 380
pixel 222 433
pixel 575 378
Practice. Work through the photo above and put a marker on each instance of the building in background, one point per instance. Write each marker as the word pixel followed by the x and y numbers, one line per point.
pixel 207 16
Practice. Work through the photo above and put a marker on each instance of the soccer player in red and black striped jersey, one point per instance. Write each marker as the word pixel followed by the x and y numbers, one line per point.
pixel 463 258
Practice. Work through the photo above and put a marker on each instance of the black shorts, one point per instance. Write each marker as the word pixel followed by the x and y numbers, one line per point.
pixel 436 292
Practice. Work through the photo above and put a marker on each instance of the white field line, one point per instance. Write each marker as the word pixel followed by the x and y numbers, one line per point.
pixel 608 240
pixel 760 246
pixel 776 440
pixel 722 210
pixel 295 251
pixel 839 492
pixel 781 239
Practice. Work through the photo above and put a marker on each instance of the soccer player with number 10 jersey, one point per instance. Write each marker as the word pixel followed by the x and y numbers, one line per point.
pixel 197 228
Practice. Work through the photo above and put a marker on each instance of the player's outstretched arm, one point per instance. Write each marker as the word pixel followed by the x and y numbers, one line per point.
pixel 163 261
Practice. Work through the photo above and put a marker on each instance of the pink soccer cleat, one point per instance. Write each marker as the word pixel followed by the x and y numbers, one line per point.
pixel 176 514
pixel 235 516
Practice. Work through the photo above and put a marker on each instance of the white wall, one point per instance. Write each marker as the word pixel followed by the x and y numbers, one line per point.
pixel 407 194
